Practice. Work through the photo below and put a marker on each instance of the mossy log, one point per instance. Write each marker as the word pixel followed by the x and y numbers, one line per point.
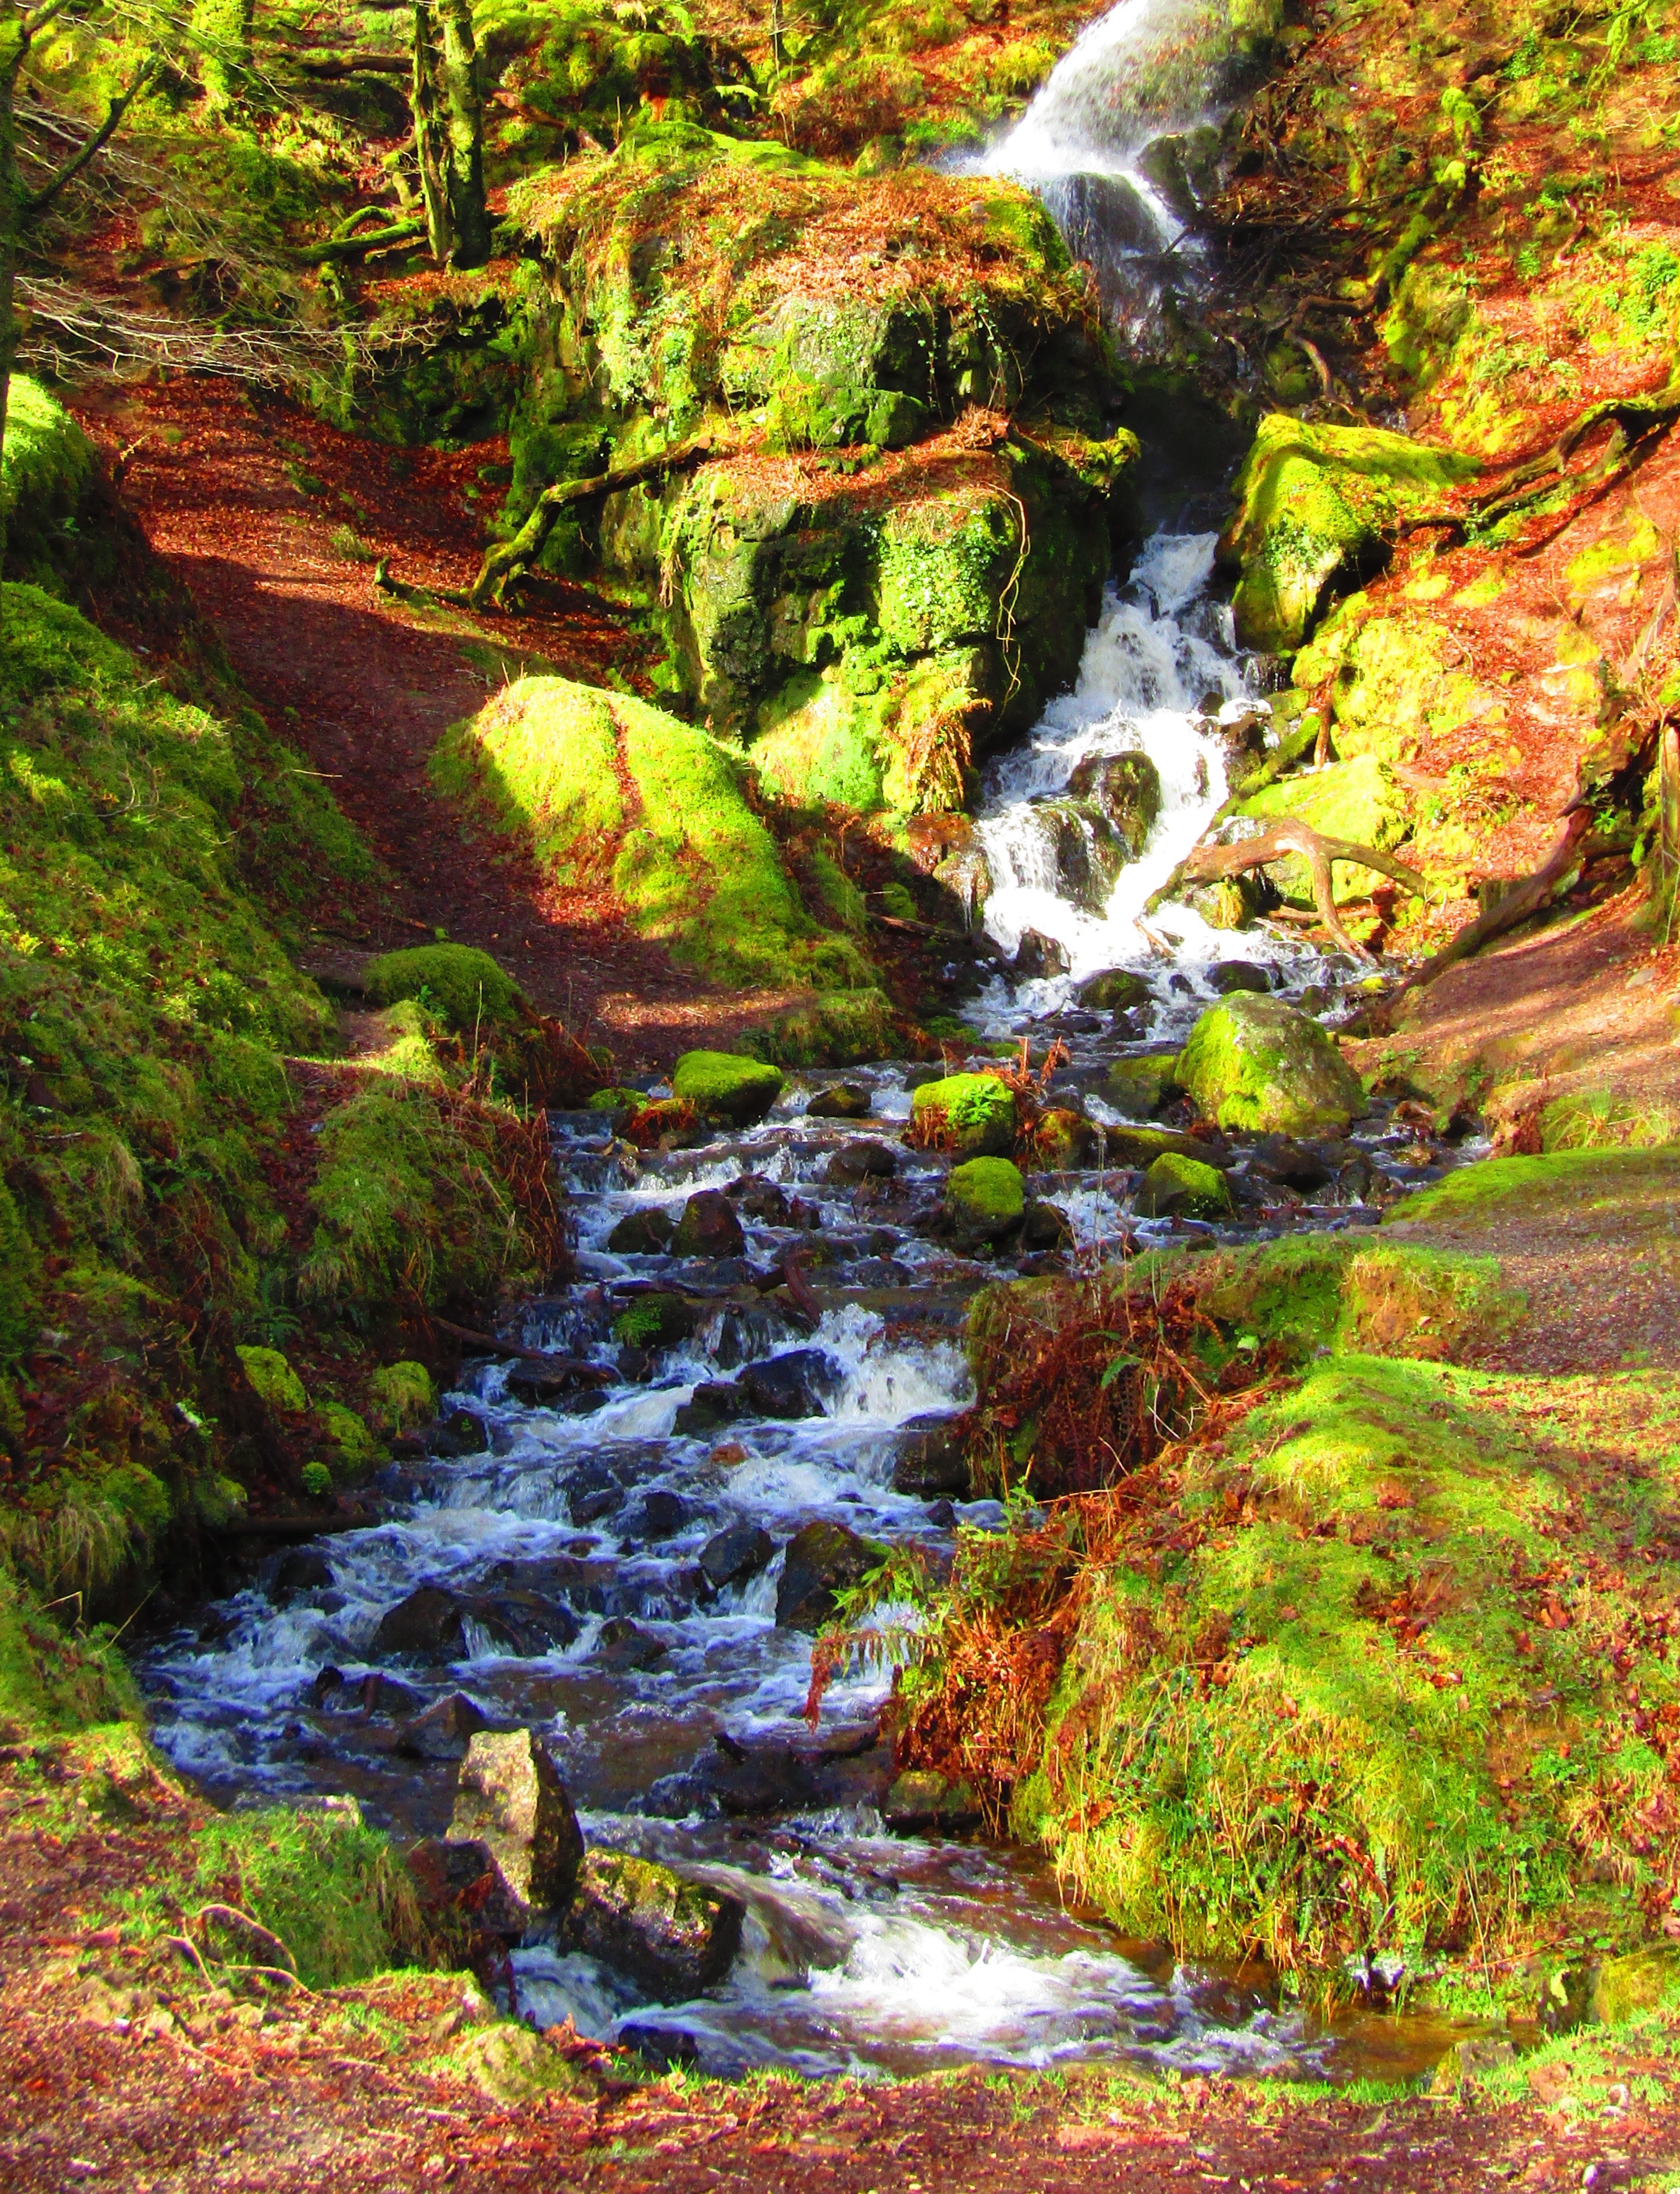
pixel 502 562
pixel 1296 840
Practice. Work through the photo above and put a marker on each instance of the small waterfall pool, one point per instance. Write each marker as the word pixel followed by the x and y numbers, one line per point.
pixel 607 1566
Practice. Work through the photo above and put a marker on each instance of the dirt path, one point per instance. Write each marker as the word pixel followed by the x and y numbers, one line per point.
pixel 120 2068
pixel 243 498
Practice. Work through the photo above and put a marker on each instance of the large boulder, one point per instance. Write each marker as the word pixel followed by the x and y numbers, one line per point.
pixel 673 1938
pixel 644 1233
pixel 721 1085
pixel 972 1115
pixel 510 1796
pixel 709 1227
pixel 1125 790
pixel 860 1160
pixel 796 1384
pixel 1115 991
pixel 1257 1065
pixel 984 1201
pixel 932 1460
pixel 840 1100
pixel 822 1559
pixel 737 1552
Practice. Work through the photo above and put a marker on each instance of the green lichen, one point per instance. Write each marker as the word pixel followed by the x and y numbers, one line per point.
pixel 1256 1065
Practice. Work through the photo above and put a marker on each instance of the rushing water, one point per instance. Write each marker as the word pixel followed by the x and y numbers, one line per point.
pixel 580 1542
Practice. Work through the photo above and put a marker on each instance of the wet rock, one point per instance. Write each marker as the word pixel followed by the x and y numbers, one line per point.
pixel 920 1799
pixel 460 1886
pixel 931 1459
pixel 1045 1227
pixel 1140 1087
pixel 546 1379
pixel 300 1570
pixel 709 1227
pixel 379 1693
pixel 760 1199
pixel 841 1100
pixel 861 1161
pixel 664 2048
pixel 1063 1140
pixel 1082 845
pixel 624 1645
pixel 592 1491
pixel 721 1085
pixel 1182 1187
pixel 1127 1145
pixel 642 1233
pixel 1113 990
pixel 664 1514
pixel 444 1731
pixel 525 1623
pixel 1229 976
pixel 737 1332
pixel 657 1318
pixel 1257 1066
pixel 673 1938
pixel 985 1201
pixel 737 1552
pixel 510 1795
pixel 822 1559
pixel 714 1403
pixel 1037 956
pixel 459 1435
pixel 794 1385
pixel 428 1625
pixel 1281 1159
pixel 971 1115
pixel 1125 789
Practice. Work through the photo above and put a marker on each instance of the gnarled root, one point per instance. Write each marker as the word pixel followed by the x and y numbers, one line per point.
pixel 1293 840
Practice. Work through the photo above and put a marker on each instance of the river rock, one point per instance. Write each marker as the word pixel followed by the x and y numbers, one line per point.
pixel 428 1625
pixel 985 1201
pixel 592 1492
pixel 861 1161
pixel 1115 991
pixel 664 1513
pixel 971 1115
pixel 458 1435
pixel 510 1795
pixel 1063 1140
pixel 460 1886
pixel 918 1800
pixel 1257 1066
pixel 1037 956
pixel 760 1198
pixel 1281 1159
pixel 721 1085
pixel 1125 790
pixel 300 1570
pixel 1141 1086
pixel 622 1645
pixel 444 1731
pixel 673 1938
pixel 931 1459
pixel 1176 1186
pixel 1081 844
pixel 1129 1146
pixel 524 1623
pixel 544 1379
pixel 841 1100
pixel 822 1559
pixel 642 1233
pixel 714 1403
pixel 737 1552
pixel 709 1227
pixel 794 1385
pixel 1230 976
pixel 1045 1227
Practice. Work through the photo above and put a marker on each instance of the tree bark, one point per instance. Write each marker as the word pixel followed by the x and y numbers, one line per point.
pixel 464 135
pixel 428 138
pixel 1288 839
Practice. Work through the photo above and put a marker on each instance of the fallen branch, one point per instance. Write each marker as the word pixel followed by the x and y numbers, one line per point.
pixel 501 563
pixel 359 247
pixel 419 598
pixel 1292 840
pixel 496 1348
pixel 276 1955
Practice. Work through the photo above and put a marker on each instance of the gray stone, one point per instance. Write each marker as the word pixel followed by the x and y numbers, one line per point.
pixel 510 1796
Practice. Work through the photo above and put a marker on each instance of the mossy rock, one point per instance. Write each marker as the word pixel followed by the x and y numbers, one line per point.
pixel 1255 1064
pixel 721 1085
pixel 1175 1185
pixel 985 1200
pixel 836 1028
pixel 1141 1086
pixel 1115 991
pixel 1360 800
pixel 1316 504
pixel 617 1100
pixel 463 987
pixel 276 1383
pixel 354 1447
pixel 1063 1140
pixel 974 1115
pixel 1645 1981
pixel 403 1397
pixel 46 466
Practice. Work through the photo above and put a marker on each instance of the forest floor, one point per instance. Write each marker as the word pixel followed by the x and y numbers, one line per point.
pixel 120 2067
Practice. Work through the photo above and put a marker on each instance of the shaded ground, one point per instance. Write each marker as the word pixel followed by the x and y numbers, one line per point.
pixel 366 686
pixel 119 2066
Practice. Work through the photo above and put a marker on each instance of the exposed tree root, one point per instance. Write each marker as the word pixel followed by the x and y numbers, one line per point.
pixel 1291 839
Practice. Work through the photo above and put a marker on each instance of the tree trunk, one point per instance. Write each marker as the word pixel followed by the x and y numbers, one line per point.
pixel 224 27
pixel 464 111
pixel 428 138
pixel 1668 815
pixel 13 46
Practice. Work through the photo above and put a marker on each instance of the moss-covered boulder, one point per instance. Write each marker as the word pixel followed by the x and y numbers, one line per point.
pixel 1115 991
pixel 1177 1186
pixel 985 1201
pixel 974 1115
pixel 721 1085
pixel 1257 1065
pixel 402 1397
pixel 277 1385
pixel 673 1938
pixel 604 789
pixel 831 1028
pixel 1314 505
pixel 1140 1086
pixel 465 987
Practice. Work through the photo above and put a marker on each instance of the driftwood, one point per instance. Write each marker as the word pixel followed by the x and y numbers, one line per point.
pixel 1290 839
pixel 501 563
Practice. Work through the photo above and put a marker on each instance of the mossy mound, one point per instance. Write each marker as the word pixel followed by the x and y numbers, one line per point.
pixel 1256 1065
pixel 604 789
pixel 1140 1086
pixel 464 986
pixel 1316 505
pixel 1361 801
pixel 974 1115
pixel 1177 1184
pixel 837 1028
pixel 721 1085
pixel 46 465
pixel 985 1200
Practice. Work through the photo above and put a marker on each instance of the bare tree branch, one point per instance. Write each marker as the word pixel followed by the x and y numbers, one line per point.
pixel 40 200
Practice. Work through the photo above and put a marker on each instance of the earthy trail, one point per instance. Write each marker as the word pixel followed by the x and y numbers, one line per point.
pixel 241 496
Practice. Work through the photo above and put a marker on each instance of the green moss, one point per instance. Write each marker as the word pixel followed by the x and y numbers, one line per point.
pixel 1174 1183
pixel 724 1086
pixel 1142 1085
pixel 617 1100
pixel 1314 505
pixel 1360 801
pixel 1534 1186
pixel 985 1198
pixel 1256 1065
pixel 336 1892
pixel 276 1382
pixel 1393 679
pixel 354 1449
pixel 837 1028
pixel 973 1114
pixel 463 987
pixel 46 465
pixel 402 1397
pixel 51 1682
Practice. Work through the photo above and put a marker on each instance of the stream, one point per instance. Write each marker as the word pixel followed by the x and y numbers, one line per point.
pixel 606 1565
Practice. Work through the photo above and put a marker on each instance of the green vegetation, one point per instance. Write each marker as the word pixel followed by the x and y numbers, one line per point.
pixel 974 1115
pixel 985 1200
pixel 723 1086
pixel 1255 1064
pixel 1174 1183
